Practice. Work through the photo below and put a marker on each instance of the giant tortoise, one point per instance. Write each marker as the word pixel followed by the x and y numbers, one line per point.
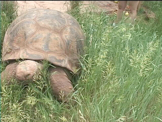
pixel 43 34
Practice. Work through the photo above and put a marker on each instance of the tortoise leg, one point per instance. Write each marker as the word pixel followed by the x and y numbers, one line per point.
pixel 9 72
pixel 61 85
pixel 26 70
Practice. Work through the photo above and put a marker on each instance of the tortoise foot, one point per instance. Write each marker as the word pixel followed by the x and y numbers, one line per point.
pixel 61 85
pixel 27 69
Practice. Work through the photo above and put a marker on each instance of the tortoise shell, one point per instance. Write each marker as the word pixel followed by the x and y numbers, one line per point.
pixel 44 34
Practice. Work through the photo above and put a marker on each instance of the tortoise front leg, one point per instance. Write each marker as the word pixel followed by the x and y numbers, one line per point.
pixel 61 85
pixel 10 72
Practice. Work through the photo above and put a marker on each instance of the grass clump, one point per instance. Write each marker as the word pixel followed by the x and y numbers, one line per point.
pixel 120 81
pixel 8 14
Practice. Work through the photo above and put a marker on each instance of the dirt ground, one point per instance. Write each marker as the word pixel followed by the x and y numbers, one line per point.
pixel 64 6
pixel 109 7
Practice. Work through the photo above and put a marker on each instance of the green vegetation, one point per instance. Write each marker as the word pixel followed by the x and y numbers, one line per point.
pixel 120 82
pixel 8 14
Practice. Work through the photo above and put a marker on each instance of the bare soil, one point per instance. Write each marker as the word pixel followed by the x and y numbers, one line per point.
pixel 64 6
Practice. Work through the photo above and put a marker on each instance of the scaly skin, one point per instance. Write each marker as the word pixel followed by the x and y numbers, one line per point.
pixel 9 73
pixel 61 84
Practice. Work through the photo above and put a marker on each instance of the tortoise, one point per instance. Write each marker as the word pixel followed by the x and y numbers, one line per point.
pixel 43 34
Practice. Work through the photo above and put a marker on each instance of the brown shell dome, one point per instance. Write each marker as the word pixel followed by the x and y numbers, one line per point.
pixel 43 34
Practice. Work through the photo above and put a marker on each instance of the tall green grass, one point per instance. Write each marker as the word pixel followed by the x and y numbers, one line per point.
pixel 120 82
pixel 8 14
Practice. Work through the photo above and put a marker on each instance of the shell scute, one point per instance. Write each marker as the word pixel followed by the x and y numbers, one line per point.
pixel 43 34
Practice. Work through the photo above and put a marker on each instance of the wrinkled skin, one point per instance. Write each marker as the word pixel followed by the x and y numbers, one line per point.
pixel 61 84
pixel 28 69
pixel 134 6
